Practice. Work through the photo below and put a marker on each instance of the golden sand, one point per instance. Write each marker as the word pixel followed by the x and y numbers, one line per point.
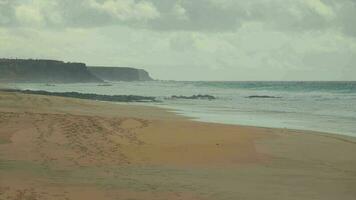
pixel 60 148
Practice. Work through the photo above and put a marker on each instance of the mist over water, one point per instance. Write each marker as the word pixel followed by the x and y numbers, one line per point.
pixel 318 106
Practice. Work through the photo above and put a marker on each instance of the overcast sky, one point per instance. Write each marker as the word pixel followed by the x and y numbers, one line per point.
pixel 189 39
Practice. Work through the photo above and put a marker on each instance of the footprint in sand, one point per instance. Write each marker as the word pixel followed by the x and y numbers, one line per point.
pixel 131 124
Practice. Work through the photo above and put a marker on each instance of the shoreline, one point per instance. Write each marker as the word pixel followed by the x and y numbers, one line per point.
pixel 219 119
pixel 53 147
pixel 337 136
pixel 178 112
pixel 310 119
pixel 137 100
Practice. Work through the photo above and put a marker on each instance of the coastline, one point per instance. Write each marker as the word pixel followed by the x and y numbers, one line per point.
pixel 161 155
pixel 302 107
pixel 155 102
pixel 142 101
pixel 226 120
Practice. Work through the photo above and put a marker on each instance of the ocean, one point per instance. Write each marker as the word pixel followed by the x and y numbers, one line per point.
pixel 317 106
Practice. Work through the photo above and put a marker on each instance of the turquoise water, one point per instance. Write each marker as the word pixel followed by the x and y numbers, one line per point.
pixel 318 106
pixel 332 86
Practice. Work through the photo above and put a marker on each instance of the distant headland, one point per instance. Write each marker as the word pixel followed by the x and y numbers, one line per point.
pixel 54 71
pixel 120 73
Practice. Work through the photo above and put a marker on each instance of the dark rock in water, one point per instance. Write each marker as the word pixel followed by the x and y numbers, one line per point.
pixel 120 73
pixel 44 71
pixel 105 84
pixel 199 96
pixel 115 98
pixel 263 97
pixel 50 85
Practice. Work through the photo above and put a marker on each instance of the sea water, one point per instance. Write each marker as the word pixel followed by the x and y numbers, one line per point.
pixel 318 106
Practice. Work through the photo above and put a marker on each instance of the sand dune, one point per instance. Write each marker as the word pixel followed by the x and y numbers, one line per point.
pixel 58 148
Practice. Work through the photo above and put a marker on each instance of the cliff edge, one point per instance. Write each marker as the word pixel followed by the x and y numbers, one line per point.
pixel 120 73
pixel 46 71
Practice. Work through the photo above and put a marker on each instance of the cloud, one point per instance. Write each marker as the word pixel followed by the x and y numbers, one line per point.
pixel 183 15
pixel 197 15
pixel 320 8
pixel 183 42
pixel 180 39
pixel 29 15
pixel 347 16
pixel 78 13
pixel 180 12
pixel 7 13
pixel 126 9
pixel 251 53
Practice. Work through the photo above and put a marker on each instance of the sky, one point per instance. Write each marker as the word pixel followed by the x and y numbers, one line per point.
pixel 235 40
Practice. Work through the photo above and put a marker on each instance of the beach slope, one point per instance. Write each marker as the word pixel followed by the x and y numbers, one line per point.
pixel 61 148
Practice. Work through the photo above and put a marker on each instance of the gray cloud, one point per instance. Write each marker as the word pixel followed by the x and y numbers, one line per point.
pixel 186 15
pixel 176 39
pixel 347 16
pixel 7 12
pixel 198 15
pixel 78 13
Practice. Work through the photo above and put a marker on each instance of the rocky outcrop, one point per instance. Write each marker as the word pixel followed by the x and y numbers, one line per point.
pixel 98 97
pixel 199 96
pixel 120 74
pixel 44 71
pixel 263 97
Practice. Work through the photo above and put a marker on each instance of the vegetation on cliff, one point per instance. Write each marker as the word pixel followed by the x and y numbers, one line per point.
pixel 120 73
pixel 46 71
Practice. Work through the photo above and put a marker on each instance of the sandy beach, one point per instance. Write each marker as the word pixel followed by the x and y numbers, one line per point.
pixel 70 149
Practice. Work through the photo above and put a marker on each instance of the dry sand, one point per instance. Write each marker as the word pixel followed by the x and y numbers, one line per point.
pixel 59 148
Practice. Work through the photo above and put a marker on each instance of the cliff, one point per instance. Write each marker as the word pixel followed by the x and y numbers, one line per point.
pixel 120 74
pixel 44 71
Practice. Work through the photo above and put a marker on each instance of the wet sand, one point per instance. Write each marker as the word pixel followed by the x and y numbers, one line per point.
pixel 60 148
